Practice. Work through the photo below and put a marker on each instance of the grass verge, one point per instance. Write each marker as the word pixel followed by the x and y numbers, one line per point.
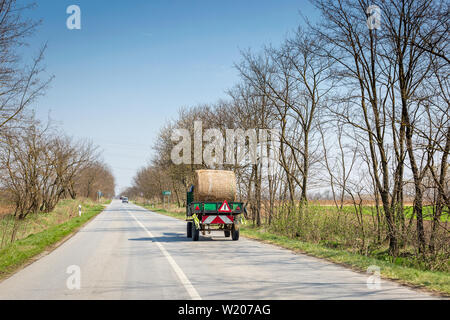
pixel 433 281
pixel 17 254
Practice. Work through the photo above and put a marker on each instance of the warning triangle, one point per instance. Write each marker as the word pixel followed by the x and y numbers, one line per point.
pixel 225 208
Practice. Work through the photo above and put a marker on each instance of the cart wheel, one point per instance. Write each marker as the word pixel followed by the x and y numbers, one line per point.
pixel 235 234
pixel 227 233
pixel 195 233
pixel 189 229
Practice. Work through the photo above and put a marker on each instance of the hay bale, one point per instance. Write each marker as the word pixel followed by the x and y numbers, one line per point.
pixel 214 185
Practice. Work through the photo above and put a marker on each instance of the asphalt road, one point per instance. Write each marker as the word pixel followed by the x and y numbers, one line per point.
pixel 130 253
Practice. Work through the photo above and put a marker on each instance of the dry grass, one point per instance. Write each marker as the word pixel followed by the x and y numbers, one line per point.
pixel 38 222
pixel 5 209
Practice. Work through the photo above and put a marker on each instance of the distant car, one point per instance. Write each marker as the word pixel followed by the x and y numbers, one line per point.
pixel 124 200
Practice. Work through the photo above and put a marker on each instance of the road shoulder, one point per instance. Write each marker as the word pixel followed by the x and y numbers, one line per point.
pixel 22 253
pixel 436 284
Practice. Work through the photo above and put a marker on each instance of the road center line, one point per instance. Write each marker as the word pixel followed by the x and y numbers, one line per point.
pixel 184 280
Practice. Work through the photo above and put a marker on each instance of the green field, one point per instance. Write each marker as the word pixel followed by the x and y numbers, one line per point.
pixel 408 210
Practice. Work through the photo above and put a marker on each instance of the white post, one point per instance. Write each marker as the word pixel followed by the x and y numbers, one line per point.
pixel 79 210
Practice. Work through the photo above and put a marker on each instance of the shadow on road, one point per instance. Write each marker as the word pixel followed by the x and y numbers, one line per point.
pixel 177 237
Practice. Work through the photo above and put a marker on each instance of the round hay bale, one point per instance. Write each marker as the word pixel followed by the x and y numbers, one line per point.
pixel 214 185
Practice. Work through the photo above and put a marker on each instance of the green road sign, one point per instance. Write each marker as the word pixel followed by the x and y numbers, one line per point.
pixel 167 193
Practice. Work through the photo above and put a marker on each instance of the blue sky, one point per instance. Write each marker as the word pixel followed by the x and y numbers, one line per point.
pixel 135 63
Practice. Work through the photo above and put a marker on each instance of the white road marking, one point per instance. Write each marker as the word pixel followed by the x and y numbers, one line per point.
pixel 184 280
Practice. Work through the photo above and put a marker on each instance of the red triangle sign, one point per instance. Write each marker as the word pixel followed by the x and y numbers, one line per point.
pixel 225 208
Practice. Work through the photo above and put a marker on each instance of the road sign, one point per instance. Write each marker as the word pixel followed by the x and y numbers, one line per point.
pixel 225 208
pixel 166 194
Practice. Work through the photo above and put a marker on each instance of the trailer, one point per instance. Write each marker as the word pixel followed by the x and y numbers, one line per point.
pixel 205 217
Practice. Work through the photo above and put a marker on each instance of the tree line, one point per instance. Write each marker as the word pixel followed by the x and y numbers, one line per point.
pixel 39 164
pixel 363 118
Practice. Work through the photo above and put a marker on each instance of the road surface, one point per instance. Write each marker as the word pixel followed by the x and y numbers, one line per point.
pixel 127 252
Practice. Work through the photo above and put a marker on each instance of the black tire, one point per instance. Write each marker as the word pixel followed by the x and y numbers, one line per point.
pixel 195 233
pixel 235 234
pixel 227 233
pixel 189 229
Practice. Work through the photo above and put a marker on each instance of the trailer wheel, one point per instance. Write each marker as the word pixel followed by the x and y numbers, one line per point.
pixel 189 229
pixel 235 234
pixel 195 233
pixel 227 233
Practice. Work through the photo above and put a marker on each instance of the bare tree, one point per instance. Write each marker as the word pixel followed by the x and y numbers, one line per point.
pixel 354 48
pixel 19 84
